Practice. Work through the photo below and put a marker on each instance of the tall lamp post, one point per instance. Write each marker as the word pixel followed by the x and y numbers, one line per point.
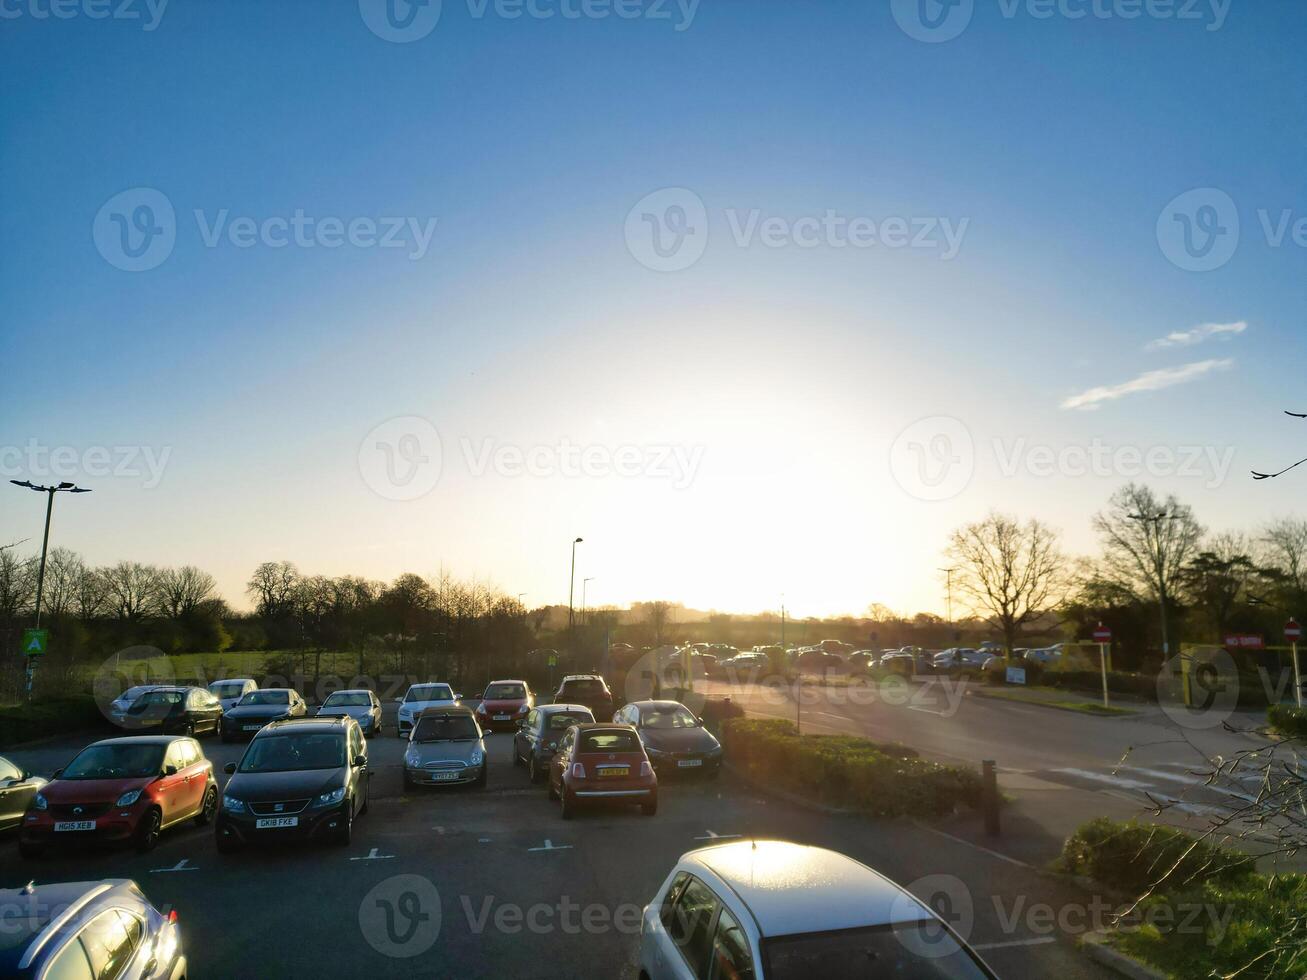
pixel 45 546
pixel 571 589
pixel 1154 521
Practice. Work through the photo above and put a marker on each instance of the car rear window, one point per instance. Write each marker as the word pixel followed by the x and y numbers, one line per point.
pixel 609 742
pixel 563 720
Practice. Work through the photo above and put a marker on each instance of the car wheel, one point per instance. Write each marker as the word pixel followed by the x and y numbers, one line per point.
pixel 649 809
pixel 533 770
pixel 346 832
pixel 517 759
pixel 148 834
pixel 367 793
pixel 30 851
pixel 208 808
pixel 188 729
pixel 569 808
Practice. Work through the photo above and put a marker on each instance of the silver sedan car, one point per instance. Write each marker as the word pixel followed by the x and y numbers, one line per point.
pixel 361 705
pixel 446 746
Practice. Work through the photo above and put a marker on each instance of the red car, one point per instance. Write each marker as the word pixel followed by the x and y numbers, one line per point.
pixel 122 789
pixel 602 763
pixel 504 705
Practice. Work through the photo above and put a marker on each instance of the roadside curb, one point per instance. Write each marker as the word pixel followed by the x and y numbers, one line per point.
pixel 1095 944
pixel 1117 713
pixel 786 796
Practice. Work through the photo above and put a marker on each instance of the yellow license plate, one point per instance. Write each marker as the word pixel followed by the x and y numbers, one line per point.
pixel 615 771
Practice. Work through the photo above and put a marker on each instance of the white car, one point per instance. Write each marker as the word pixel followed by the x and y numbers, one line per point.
pixel 231 690
pixel 360 704
pixel 418 698
pixel 772 910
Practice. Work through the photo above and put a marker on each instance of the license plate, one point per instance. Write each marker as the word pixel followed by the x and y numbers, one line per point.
pixel 445 777
pixel 252 728
pixel 501 717
pixel 689 763
pixel 615 771
pixel 75 825
pixel 264 823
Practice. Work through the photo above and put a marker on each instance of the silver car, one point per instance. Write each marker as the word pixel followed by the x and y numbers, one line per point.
pixel 119 705
pixel 446 746
pixel 361 705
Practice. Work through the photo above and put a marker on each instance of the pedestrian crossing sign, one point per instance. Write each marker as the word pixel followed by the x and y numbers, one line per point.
pixel 35 642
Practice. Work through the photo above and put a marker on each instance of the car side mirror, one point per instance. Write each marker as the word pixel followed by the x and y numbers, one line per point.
pixel 170 770
pixel 229 768
pixel 360 761
pixel 57 774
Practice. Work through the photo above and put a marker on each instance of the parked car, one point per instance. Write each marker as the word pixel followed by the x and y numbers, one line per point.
pixel 960 659
pixel 602 763
pixel 445 746
pixel 299 778
pixel 820 662
pixel 79 930
pixel 230 691
pixel 537 737
pixel 860 660
pixel 772 910
pixel 588 689
pixel 17 787
pixel 1045 655
pixel 503 705
pixel 118 706
pixel 361 705
pixel 674 738
pixel 910 662
pixel 259 708
pixel 130 788
pixel 183 710
pixel 418 698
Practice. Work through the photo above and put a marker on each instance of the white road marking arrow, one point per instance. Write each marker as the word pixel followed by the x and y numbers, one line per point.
pixel 372 855
pixel 551 846
pixel 709 835
pixel 179 866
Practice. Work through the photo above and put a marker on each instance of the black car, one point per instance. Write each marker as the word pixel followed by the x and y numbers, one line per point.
pixel 258 708
pixel 538 735
pixel 673 737
pixel 301 778
pixel 175 710
pixel 589 690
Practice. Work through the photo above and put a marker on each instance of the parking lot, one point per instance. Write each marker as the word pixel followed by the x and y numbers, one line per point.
pixel 492 882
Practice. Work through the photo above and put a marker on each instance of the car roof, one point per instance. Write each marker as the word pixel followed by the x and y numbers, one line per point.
pixel 601 726
pixel 36 908
pixel 233 680
pixel 156 688
pixel 554 709
pixel 582 677
pixel 140 740
pixel 658 704
pixel 431 684
pixel 508 680
pixel 323 723
pixel 351 690
pixel 448 710
pixel 795 888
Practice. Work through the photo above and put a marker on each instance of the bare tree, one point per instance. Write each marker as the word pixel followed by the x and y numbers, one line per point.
pixel 130 589
pixel 1007 572
pixel 180 591
pixel 17 583
pixel 657 615
pixel 272 587
pixel 1146 544
pixel 63 569
pixel 1284 548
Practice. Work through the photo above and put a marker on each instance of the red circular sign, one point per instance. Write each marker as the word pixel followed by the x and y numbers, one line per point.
pixel 1102 634
pixel 1292 631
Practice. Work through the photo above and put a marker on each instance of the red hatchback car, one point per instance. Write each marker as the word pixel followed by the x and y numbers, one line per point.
pixel 602 763
pixel 122 789
pixel 504 705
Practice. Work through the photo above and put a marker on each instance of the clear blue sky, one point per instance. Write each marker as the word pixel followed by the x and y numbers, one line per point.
pixel 527 320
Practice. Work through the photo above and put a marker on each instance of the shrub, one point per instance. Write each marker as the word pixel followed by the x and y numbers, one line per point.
pixel 1137 685
pixel 1288 720
pixel 845 771
pixel 717 711
pixel 1134 857
pixel 55 716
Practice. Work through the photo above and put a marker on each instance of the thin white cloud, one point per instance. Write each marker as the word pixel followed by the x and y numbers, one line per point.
pixel 1148 381
pixel 1187 338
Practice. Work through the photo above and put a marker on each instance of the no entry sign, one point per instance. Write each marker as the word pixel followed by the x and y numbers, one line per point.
pixel 1292 631
pixel 1102 634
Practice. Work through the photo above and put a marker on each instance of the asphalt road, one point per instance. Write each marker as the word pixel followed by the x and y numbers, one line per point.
pixel 492 883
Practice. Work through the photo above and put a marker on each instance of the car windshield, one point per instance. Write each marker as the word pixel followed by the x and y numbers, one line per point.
pixel 162 697
pixel 907 951
pixel 120 761
pixel 290 752
pixel 266 697
pixel 348 699
pixel 430 692
pixel 670 717
pixel 228 689
pixel 609 742
pixel 444 728
pixel 505 692
pixel 563 720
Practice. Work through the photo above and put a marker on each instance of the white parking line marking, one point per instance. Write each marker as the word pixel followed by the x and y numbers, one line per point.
pixel 551 846
pixel 709 835
pixel 917 707
pixel 179 866
pixel 372 855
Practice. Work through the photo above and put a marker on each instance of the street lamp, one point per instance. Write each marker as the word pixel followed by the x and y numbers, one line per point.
pixel 584 582
pixel 1154 521
pixel 45 546
pixel 571 589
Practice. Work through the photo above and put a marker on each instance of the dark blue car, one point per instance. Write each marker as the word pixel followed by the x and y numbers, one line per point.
pixel 84 930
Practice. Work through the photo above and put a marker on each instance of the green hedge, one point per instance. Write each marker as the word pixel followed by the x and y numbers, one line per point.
pixel 1252 925
pixel 1091 681
pixel 55 716
pixel 1288 720
pixel 849 772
